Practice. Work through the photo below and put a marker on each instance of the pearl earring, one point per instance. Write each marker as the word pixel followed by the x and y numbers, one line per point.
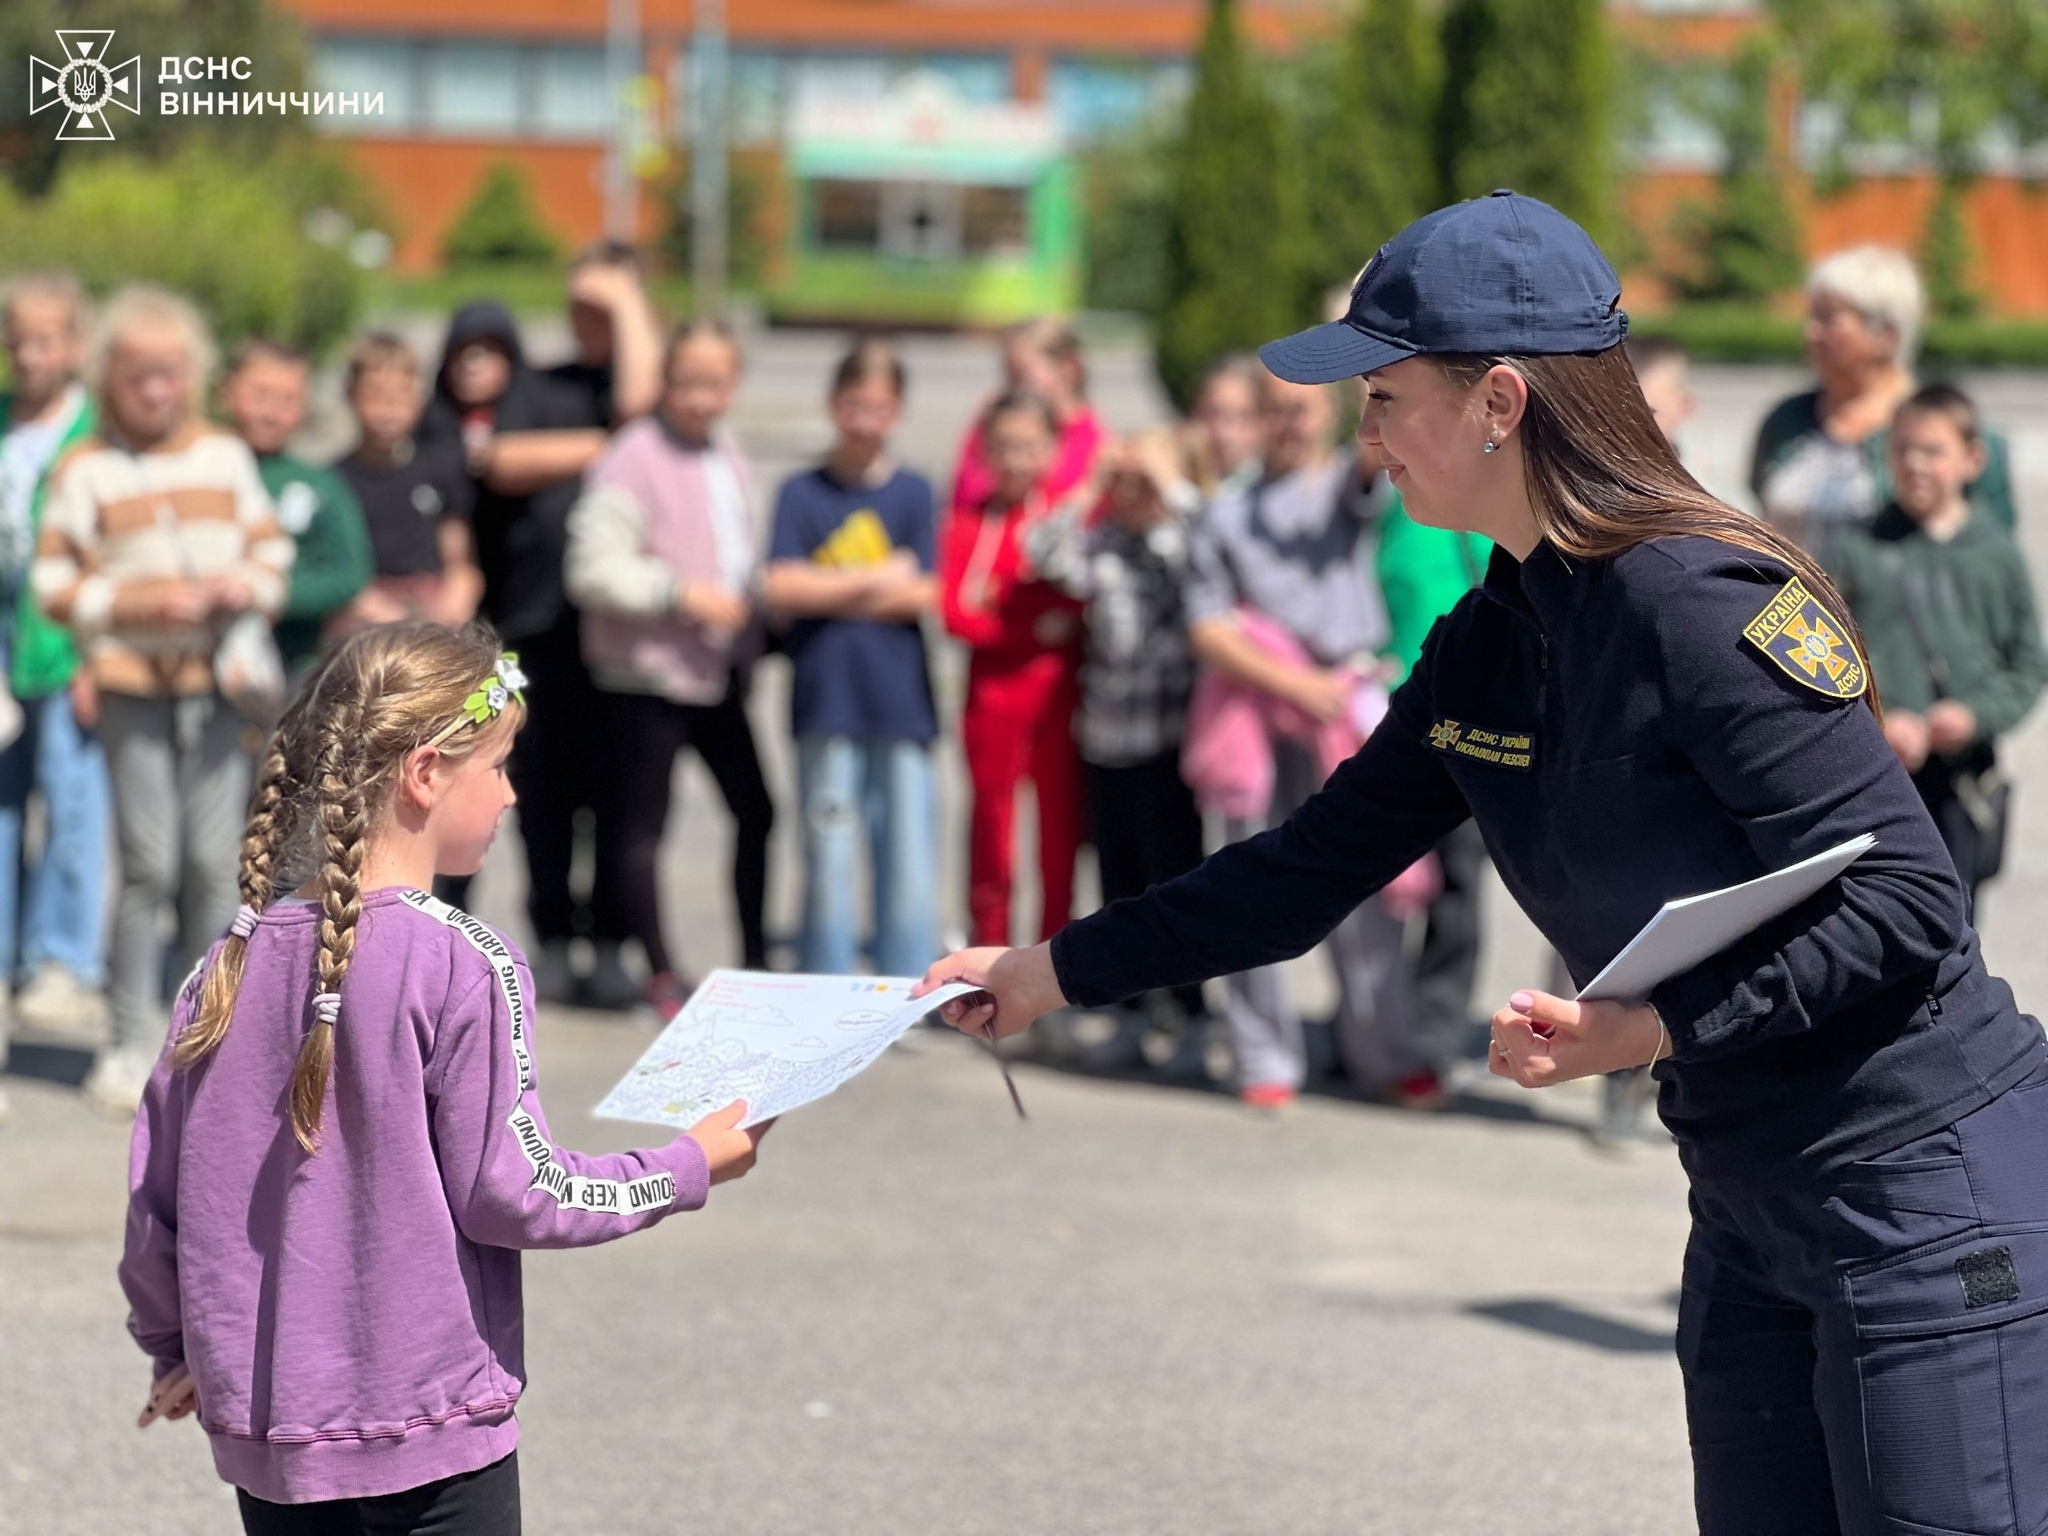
pixel 1492 445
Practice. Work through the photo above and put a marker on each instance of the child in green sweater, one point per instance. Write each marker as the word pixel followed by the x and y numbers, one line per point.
pixel 265 397
pixel 1948 619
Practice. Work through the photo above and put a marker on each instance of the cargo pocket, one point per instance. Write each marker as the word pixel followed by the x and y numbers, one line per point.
pixel 1952 1362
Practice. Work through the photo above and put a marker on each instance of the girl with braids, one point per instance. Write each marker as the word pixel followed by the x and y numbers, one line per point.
pixel 342 1149
pixel 1649 696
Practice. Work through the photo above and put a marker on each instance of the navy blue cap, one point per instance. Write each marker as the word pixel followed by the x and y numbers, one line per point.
pixel 1502 275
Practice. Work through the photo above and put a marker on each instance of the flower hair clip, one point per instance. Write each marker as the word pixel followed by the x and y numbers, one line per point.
pixel 505 684
pixel 491 699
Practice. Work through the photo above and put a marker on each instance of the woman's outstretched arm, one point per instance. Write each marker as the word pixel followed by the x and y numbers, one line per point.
pixel 1269 898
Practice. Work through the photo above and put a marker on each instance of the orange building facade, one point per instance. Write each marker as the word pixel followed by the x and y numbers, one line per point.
pixel 467 84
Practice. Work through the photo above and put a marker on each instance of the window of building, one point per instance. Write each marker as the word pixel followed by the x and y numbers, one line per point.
pixel 920 220
pixel 848 214
pixel 754 98
pixel 761 84
pixel 995 221
pixel 473 88
pixel 1676 124
pixel 572 94
pixel 1091 98
pixel 976 77
pixel 370 66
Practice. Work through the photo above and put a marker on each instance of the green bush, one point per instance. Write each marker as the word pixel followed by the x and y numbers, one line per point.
pixel 1725 333
pixel 500 225
pixel 1740 333
pixel 1979 341
pixel 224 231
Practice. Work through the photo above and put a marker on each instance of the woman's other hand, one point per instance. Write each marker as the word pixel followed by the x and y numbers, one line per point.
pixel 1539 1039
pixel 1017 987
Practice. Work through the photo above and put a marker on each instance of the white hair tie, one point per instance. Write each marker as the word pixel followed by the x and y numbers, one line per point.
pixel 244 923
pixel 327 1007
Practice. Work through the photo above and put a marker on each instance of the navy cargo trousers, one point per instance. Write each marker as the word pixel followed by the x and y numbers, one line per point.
pixel 1867 1353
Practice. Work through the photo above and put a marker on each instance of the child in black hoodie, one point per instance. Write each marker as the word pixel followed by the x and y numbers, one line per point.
pixel 527 438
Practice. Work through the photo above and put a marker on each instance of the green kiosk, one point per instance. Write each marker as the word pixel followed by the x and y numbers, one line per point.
pixel 920 208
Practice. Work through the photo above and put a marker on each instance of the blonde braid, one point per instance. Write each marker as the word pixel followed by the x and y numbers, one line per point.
pixel 261 839
pixel 344 831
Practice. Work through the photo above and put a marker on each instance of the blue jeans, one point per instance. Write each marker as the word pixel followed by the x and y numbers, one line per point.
pixel 55 906
pixel 887 791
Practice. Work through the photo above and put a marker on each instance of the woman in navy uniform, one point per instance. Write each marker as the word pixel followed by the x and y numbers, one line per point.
pixel 1653 695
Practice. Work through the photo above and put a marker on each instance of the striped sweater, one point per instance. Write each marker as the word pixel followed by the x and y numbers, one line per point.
pixel 121 527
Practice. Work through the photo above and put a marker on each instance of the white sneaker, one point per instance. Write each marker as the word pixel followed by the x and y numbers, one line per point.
pixel 118 1076
pixel 57 1001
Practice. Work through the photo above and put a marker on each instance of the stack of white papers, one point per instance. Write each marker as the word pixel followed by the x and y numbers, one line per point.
pixel 1687 931
pixel 776 1041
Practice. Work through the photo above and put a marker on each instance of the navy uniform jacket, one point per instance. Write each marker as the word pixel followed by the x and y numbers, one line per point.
pixel 1673 719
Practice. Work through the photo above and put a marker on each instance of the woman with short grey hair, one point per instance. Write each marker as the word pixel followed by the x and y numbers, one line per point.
pixel 1822 456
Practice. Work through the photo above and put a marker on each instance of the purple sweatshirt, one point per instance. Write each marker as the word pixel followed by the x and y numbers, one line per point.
pixel 352 1318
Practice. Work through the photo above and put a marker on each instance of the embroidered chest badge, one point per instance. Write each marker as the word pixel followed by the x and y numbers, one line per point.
pixel 1501 749
pixel 1807 643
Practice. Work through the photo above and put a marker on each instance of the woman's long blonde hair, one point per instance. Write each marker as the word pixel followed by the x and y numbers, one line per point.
pixel 1602 477
pixel 325 778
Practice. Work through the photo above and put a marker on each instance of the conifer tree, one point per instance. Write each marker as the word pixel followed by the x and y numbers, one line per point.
pixel 1373 151
pixel 1536 110
pixel 1236 273
pixel 1745 246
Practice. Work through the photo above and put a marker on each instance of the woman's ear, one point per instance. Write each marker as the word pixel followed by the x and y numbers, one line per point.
pixel 419 778
pixel 1503 400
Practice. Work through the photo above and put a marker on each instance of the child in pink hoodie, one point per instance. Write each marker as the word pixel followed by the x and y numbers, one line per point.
pixel 342 1149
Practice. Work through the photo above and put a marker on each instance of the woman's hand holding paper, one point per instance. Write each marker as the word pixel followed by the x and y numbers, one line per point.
pixel 1017 986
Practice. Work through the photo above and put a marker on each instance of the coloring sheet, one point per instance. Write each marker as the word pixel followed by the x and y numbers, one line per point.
pixel 775 1040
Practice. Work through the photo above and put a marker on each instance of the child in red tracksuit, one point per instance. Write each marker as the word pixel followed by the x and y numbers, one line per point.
pixel 1022 675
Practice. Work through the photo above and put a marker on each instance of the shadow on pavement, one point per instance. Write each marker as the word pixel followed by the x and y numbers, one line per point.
pixel 1117 1061
pixel 1562 1320
pixel 65 1065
